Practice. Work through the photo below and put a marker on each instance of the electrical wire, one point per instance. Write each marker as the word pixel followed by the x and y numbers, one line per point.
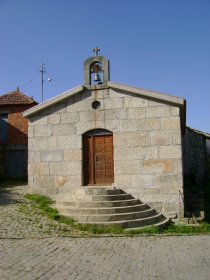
pixel 15 54
pixel 12 53
pixel 30 81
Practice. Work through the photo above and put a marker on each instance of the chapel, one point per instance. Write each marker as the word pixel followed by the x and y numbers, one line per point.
pixel 107 137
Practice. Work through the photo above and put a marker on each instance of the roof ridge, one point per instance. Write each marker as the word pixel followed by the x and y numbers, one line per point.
pixel 16 97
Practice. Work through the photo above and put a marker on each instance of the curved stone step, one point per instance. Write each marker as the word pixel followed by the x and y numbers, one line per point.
pixel 65 210
pixel 111 197
pixel 134 223
pixel 86 218
pixel 160 224
pixel 81 195
pixel 148 221
pixel 107 206
pixel 102 191
pixel 88 191
pixel 99 204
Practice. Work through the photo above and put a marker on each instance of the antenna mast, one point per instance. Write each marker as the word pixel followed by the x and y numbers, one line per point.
pixel 42 70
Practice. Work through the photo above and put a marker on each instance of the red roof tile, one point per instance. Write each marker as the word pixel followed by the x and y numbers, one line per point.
pixel 15 98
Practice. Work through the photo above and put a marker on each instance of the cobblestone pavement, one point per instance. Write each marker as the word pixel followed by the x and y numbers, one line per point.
pixel 146 258
pixel 19 219
pixel 27 253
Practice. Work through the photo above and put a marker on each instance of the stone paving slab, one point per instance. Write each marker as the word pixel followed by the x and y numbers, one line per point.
pixel 19 219
pixel 31 247
pixel 149 258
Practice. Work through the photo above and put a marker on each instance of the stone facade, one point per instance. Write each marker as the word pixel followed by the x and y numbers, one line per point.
pixel 147 139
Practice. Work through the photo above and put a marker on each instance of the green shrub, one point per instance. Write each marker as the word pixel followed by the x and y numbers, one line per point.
pixel 42 199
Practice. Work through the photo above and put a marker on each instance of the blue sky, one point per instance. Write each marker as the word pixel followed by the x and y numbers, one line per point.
pixel 159 45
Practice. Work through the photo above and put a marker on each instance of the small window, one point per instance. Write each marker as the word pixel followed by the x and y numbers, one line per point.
pixel 96 104
pixel 3 127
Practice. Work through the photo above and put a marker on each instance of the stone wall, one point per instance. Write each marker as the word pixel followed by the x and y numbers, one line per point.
pixel 195 172
pixel 208 156
pixel 147 146
pixel 195 156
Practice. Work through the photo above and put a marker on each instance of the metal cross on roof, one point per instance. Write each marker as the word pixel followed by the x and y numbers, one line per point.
pixel 96 50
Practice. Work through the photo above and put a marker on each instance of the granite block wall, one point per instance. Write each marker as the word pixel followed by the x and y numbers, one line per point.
pixel 147 146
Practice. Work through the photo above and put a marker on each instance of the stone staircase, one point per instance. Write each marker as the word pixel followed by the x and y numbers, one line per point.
pixel 106 206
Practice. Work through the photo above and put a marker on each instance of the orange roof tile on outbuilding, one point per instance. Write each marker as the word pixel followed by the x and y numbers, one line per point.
pixel 16 98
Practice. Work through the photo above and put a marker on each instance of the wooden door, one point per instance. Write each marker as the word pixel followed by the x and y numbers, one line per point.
pixel 98 160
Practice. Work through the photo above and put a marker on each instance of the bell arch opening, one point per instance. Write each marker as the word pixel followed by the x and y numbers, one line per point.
pixel 96 73
pixel 96 68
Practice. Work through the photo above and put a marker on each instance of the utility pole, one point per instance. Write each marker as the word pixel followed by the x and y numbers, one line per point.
pixel 42 70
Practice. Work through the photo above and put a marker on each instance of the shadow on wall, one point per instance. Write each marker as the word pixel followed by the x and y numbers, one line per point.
pixel 197 197
pixel 13 152
pixel 13 135
pixel 7 194
pixel 207 199
pixel 196 184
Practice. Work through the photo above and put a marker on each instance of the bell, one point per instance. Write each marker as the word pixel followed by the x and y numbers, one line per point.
pixel 97 77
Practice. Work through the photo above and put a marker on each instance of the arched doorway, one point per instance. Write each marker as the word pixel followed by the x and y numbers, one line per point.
pixel 98 163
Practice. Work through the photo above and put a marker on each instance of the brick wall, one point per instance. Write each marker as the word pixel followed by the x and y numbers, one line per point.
pixel 17 124
pixel 13 151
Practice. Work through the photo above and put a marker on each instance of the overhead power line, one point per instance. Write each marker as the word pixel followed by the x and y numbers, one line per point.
pixel 14 54
pixel 29 81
